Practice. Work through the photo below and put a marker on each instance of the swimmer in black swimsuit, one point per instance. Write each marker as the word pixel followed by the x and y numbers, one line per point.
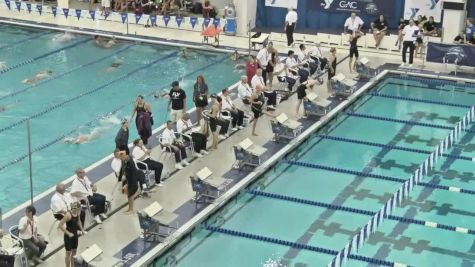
pixel 257 107
pixel 302 94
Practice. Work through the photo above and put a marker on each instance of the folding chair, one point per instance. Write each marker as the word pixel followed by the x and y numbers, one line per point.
pixel 167 156
pixel 202 191
pixel 364 70
pixel 163 218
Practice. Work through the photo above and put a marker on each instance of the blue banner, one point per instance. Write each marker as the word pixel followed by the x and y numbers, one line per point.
pixel 137 18
pixel 106 14
pixel 179 20
pixel 451 53
pixel 362 7
pixel 153 20
pixel 39 8
pixel 18 5
pixel 206 22
pixel 66 12
pixel 193 21
pixel 78 13
pixel 216 23
pixel 166 19
pixel 7 2
pixel 28 7
pixel 54 10
pixel 123 16
pixel 92 13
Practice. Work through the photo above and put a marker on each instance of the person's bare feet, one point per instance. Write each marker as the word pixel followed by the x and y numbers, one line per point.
pixel 254 134
pixel 129 212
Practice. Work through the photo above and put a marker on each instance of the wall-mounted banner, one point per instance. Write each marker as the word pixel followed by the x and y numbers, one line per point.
pixel 414 8
pixel 39 8
pixel 123 16
pixel 166 19
pixel 463 54
pixel 283 3
pixel 28 7
pixel 153 20
pixel 216 23
pixel 54 10
pixel 137 18
pixel 206 22
pixel 179 20
pixel 92 13
pixel 364 7
pixel 78 13
pixel 7 2
pixel 66 12
pixel 18 5
pixel 193 21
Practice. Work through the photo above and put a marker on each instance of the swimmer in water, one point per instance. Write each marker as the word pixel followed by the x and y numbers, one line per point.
pixel 105 44
pixel 84 138
pixel 3 65
pixel 115 65
pixel 184 53
pixel 38 77
pixel 63 37
pixel 235 56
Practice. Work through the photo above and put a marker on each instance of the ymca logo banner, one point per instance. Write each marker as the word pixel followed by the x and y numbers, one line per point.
pixel 414 8
pixel 282 3
pixel 363 7
pixel 440 53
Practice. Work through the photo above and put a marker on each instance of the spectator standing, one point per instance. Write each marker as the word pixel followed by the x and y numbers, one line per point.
pixel 290 23
pixel 33 242
pixel 332 62
pixel 263 58
pixel 470 30
pixel 271 67
pixel 185 126
pixel 200 96
pixel 177 103
pixel 270 94
pixel 144 119
pixel 251 68
pixel 122 137
pixel 354 51
pixel 410 32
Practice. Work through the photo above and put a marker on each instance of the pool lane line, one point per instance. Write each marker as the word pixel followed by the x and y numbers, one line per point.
pixel 297 245
pixel 360 211
pixel 407 149
pixel 51 108
pixel 14 93
pixel 25 40
pixel 429 125
pixel 434 82
pixel 26 62
pixel 411 99
pixel 379 177
pixel 116 110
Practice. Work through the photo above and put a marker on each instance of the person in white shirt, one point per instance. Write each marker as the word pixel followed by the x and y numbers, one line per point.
pixel 60 202
pixel 302 54
pixel 410 34
pixel 141 153
pixel 83 190
pixel 236 114
pixel 290 22
pixel 270 94
pixel 291 69
pixel 316 55
pixel 353 24
pixel 185 126
pixel 244 90
pixel 263 58
pixel 171 144
pixel 33 242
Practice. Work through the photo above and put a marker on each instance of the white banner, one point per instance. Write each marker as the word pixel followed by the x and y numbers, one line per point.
pixel 282 3
pixel 414 8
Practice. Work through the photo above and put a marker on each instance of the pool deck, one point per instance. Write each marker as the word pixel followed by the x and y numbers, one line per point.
pixel 176 194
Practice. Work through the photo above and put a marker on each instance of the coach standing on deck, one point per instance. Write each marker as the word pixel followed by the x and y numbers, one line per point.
pixel 290 22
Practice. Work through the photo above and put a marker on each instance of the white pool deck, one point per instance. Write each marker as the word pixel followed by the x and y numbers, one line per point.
pixel 120 229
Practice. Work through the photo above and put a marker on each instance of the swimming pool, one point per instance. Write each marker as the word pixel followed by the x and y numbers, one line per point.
pixel 82 95
pixel 357 162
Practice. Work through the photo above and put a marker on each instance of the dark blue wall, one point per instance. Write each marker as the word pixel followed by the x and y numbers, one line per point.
pixel 312 19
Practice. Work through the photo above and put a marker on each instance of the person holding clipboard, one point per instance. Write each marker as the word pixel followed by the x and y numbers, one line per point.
pixel 410 34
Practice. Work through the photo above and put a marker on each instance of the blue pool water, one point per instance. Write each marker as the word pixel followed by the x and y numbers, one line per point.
pixel 322 227
pixel 82 96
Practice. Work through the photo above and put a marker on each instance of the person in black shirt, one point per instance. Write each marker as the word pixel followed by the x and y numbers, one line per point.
pixel 430 27
pixel 354 50
pixel 177 101
pixel 380 28
pixel 122 137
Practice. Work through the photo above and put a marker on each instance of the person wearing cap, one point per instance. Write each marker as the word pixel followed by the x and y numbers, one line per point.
pixel 177 103
pixel 71 225
pixel 122 137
